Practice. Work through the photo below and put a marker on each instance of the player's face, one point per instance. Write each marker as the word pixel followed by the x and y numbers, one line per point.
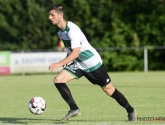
pixel 55 17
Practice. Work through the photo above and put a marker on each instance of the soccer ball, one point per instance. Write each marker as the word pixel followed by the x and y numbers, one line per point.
pixel 37 105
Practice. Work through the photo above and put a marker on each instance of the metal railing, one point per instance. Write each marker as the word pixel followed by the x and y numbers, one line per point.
pixel 144 48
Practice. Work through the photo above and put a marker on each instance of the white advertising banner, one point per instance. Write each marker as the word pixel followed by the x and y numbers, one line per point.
pixel 34 62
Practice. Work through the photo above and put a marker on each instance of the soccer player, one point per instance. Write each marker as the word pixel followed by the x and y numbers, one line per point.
pixel 81 60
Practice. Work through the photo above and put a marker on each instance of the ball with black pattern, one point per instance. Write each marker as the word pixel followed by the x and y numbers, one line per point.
pixel 37 105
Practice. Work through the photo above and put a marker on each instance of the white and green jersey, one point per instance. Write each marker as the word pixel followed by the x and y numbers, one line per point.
pixel 72 37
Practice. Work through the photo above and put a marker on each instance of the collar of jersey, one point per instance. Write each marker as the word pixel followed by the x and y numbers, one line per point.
pixel 65 27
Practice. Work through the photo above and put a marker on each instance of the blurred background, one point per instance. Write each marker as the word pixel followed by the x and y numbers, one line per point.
pixel 128 34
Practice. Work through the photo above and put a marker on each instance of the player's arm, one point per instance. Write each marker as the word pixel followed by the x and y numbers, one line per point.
pixel 67 63
pixel 75 46
pixel 72 56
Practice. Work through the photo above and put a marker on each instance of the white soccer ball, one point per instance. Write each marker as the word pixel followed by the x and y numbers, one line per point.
pixel 37 105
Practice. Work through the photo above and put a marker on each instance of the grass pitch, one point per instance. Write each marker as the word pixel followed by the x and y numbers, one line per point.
pixel 144 91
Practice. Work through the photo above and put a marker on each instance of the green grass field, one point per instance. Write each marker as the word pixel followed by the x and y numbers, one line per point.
pixel 145 91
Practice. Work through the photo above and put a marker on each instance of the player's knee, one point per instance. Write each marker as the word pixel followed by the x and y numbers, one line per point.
pixel 108 92
pixel 108 89
pixel 58 79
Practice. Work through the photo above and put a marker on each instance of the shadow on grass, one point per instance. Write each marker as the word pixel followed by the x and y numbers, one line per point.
pixel 21 121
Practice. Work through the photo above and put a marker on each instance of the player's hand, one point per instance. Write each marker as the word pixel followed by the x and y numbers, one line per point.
pixel 67 64
pixel 53 66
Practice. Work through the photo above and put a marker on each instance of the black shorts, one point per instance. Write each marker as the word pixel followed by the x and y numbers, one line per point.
pixel 98 76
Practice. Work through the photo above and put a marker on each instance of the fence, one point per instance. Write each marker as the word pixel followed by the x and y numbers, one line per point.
pixel 27 62
pixel 145 51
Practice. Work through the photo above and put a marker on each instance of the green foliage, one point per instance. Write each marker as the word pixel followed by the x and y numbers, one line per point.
pixel 25 26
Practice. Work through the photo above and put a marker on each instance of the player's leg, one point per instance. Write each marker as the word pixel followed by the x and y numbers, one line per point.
pixel 101 78
pixel 110 90
pixel 60 82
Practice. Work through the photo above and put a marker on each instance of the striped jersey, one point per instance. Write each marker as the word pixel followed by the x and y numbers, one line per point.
pixel 72 37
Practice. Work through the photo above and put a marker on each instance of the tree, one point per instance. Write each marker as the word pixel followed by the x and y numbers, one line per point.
pixel 129 23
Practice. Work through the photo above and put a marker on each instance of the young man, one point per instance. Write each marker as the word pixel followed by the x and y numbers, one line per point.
pixel 85 62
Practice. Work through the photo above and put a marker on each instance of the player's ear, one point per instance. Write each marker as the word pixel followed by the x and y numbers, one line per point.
pixel 61 14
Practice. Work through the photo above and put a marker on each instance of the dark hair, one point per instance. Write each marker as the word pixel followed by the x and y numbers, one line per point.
pixel 57 7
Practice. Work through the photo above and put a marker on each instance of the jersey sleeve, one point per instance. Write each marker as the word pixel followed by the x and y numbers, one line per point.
pixel 75 39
